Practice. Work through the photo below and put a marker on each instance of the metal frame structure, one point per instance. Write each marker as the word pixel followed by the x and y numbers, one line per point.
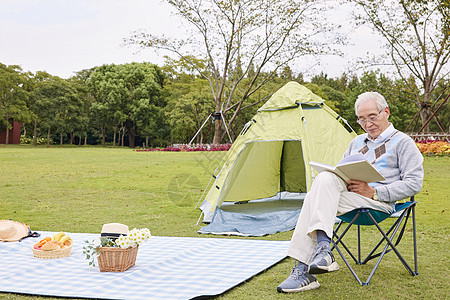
pixel 213 116
pixel 365 216
pixel 433 115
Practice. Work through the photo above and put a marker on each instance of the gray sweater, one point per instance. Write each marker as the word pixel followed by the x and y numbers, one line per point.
pixel 401 164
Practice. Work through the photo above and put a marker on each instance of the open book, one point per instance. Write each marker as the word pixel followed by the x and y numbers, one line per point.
pixel 355 167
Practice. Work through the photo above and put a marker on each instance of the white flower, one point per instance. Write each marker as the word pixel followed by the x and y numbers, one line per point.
pixel 97 242
pixel 145 233
pixel 134 237
pixel 133 233
pixel 123 242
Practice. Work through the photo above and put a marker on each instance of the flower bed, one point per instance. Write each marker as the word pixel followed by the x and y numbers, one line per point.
pixel 431 147
pixel 186 148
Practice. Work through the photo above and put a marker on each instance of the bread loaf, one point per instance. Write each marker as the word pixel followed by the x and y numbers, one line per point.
pixel 51 245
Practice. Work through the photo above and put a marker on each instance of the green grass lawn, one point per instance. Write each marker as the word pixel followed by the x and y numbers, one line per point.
pixel 78 189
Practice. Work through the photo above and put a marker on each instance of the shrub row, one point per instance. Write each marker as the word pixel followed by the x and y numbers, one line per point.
pixel 28 140
pixel 224 147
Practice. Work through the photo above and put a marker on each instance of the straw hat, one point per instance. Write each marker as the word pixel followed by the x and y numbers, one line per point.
pixel 11 231
pixel 114 230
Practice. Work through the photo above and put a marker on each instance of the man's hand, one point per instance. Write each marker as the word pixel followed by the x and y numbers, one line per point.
pixel 360 187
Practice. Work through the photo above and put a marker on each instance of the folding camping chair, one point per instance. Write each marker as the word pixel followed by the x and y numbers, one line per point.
pixel 365 216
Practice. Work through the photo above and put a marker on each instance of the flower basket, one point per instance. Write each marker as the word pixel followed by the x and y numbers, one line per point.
pixel 115 254
pixel 114 259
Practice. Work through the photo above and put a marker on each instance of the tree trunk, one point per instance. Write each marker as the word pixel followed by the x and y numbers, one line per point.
pixel 217 125
pixel 103 135
pixel 146 141
pixel 131 128
pixel 131 139
pixel 123 136
pixel 217 132
pixel 425 114
pixel 85 140
pixel 48 137
pixel 114 139
pixel 7 134
pixel 61 139
pixel 79 142
pixel 425 111
pixel 72 137
pixel 35 133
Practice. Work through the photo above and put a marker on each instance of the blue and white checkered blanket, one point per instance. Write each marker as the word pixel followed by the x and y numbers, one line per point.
pixel 166 268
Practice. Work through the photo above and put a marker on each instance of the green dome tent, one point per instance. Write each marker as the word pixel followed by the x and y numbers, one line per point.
pixel 268 163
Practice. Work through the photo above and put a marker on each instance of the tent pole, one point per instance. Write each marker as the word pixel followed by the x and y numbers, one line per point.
pixel 215 177
pixel 345 121
pixel 198 221
pixel 204 191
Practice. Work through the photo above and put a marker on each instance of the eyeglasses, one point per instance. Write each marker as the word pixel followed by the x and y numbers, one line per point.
pixel 369 119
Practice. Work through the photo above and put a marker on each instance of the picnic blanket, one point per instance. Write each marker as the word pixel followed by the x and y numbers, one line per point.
pixel 166 268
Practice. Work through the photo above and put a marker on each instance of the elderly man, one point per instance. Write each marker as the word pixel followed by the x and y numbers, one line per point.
pixel 392 153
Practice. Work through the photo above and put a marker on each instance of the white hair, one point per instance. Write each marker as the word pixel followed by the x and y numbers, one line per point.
pixel 368 96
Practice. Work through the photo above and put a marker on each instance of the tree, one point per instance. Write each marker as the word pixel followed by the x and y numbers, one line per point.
pixel 38 105
pixel 441 122
pixel 13 97
pixel 57 105
pixel 417 36
pixel 104 86
pixel 244 43
pixel 188 107
pixel 397 93
pixel 126 95
pixel 80 84
pixel 72 115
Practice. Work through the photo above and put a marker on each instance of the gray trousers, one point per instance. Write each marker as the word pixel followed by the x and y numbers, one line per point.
pixel 327 199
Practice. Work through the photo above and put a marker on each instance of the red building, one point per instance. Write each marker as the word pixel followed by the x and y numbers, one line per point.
pixel 13 135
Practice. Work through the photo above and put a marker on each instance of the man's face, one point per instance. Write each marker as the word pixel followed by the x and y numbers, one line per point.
pixel 380 121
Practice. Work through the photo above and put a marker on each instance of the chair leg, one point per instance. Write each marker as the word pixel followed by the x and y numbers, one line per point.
pixel 346 262
pixel 395 225
pixel 388 240
pixel 339 238
pixel 339 241
pixel 359 244
pixel 385 250
pixel 335 231
pixel 414 239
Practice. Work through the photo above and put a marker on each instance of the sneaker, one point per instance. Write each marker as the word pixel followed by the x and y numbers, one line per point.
pixel 298 281
pixel 323 262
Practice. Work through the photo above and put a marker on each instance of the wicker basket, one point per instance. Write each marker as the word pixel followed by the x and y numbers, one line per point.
pixel 52 254
pixel 112 259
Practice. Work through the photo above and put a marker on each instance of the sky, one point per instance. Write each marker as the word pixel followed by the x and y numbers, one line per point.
pixel 65 36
